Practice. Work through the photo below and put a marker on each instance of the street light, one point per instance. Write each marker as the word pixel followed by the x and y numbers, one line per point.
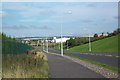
pixel 89 41
pixel 69 12
pixel 61 41
pixel 38 43
pixel 67 45
pixel 59 46
pixel 43 45
pixel 46 45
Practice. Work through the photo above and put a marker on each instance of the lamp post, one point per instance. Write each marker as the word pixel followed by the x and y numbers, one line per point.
pixel 61 41
pixel 69 12
pixel 54 45
pixel 38 43
pixel 90 49
pixel 61 38
pixel 67 45
pixel 46 45
pixel 59 46
pixel 89 43
pixel 43 44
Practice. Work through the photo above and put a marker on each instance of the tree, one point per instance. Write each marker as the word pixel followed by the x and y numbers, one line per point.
pixel 102 34
pixel 117 31
pixel 95 35
pixel 108 33
pixel 71 42
pixel 5 37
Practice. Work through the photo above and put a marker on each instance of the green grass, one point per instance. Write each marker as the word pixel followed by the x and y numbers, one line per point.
pixel 0 59
pixel 107 45
pixel 114 69
pixel 57 46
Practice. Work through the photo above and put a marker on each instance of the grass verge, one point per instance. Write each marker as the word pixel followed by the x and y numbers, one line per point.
pixel 114 69
pixel 24 66
pixel 107 45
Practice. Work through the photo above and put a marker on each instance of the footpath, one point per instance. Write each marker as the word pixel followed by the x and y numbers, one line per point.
pixel 61 67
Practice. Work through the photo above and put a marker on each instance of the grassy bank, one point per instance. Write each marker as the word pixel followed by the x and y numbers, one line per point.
pixel 24 66
pixel 17 64
pixel 109 44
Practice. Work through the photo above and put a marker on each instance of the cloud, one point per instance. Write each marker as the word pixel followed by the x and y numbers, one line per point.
pixel 116 17
pixel 40 27
pixel 29 10
pixel 59 0
pixel 26 20
pixel 15 27
pixel 2 14
pixel 23 9
pixel 92 5
pixel 45 28
pixel 21 27
pixel 86 21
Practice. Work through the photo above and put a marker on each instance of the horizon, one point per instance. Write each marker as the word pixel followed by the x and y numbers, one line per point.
pixel 62 36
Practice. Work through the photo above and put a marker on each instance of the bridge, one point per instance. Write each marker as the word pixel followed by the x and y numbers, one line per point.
pixel 34 41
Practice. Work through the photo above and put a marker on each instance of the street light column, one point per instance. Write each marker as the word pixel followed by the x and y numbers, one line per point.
pixel 69 12
pixel 89 43
pixel 38 43
pixel 43 45
pixel 89 39
pixel 67 45
pixel 47 45
pixel 61 41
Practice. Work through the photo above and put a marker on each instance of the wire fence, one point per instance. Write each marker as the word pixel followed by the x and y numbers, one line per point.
pixel 14 47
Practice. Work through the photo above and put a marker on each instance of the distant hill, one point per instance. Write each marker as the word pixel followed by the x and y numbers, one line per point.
pixel 107 45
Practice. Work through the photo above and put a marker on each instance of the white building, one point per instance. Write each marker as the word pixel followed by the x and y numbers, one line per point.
pixel 59 40
pixel 102 35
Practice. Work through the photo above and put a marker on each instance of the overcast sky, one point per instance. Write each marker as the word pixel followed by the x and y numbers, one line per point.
pixel 45 18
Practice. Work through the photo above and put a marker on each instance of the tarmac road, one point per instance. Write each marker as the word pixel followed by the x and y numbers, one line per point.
pixel 109 59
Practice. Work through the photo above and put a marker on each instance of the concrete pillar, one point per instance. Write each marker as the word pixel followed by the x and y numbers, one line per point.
pixel 38 43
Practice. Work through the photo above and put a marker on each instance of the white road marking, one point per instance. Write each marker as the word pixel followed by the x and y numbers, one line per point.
pixel 117 56
pixel 109 55
pixel 100 55
pixel 92 54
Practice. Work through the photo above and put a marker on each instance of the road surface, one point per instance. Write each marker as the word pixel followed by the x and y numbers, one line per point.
pixel 61 67
pixel 110 59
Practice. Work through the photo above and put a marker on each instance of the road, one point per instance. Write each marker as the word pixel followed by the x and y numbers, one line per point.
pixel 110 59
pixel 61 67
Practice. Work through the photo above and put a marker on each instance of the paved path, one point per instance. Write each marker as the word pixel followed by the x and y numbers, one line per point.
pixel 61 67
